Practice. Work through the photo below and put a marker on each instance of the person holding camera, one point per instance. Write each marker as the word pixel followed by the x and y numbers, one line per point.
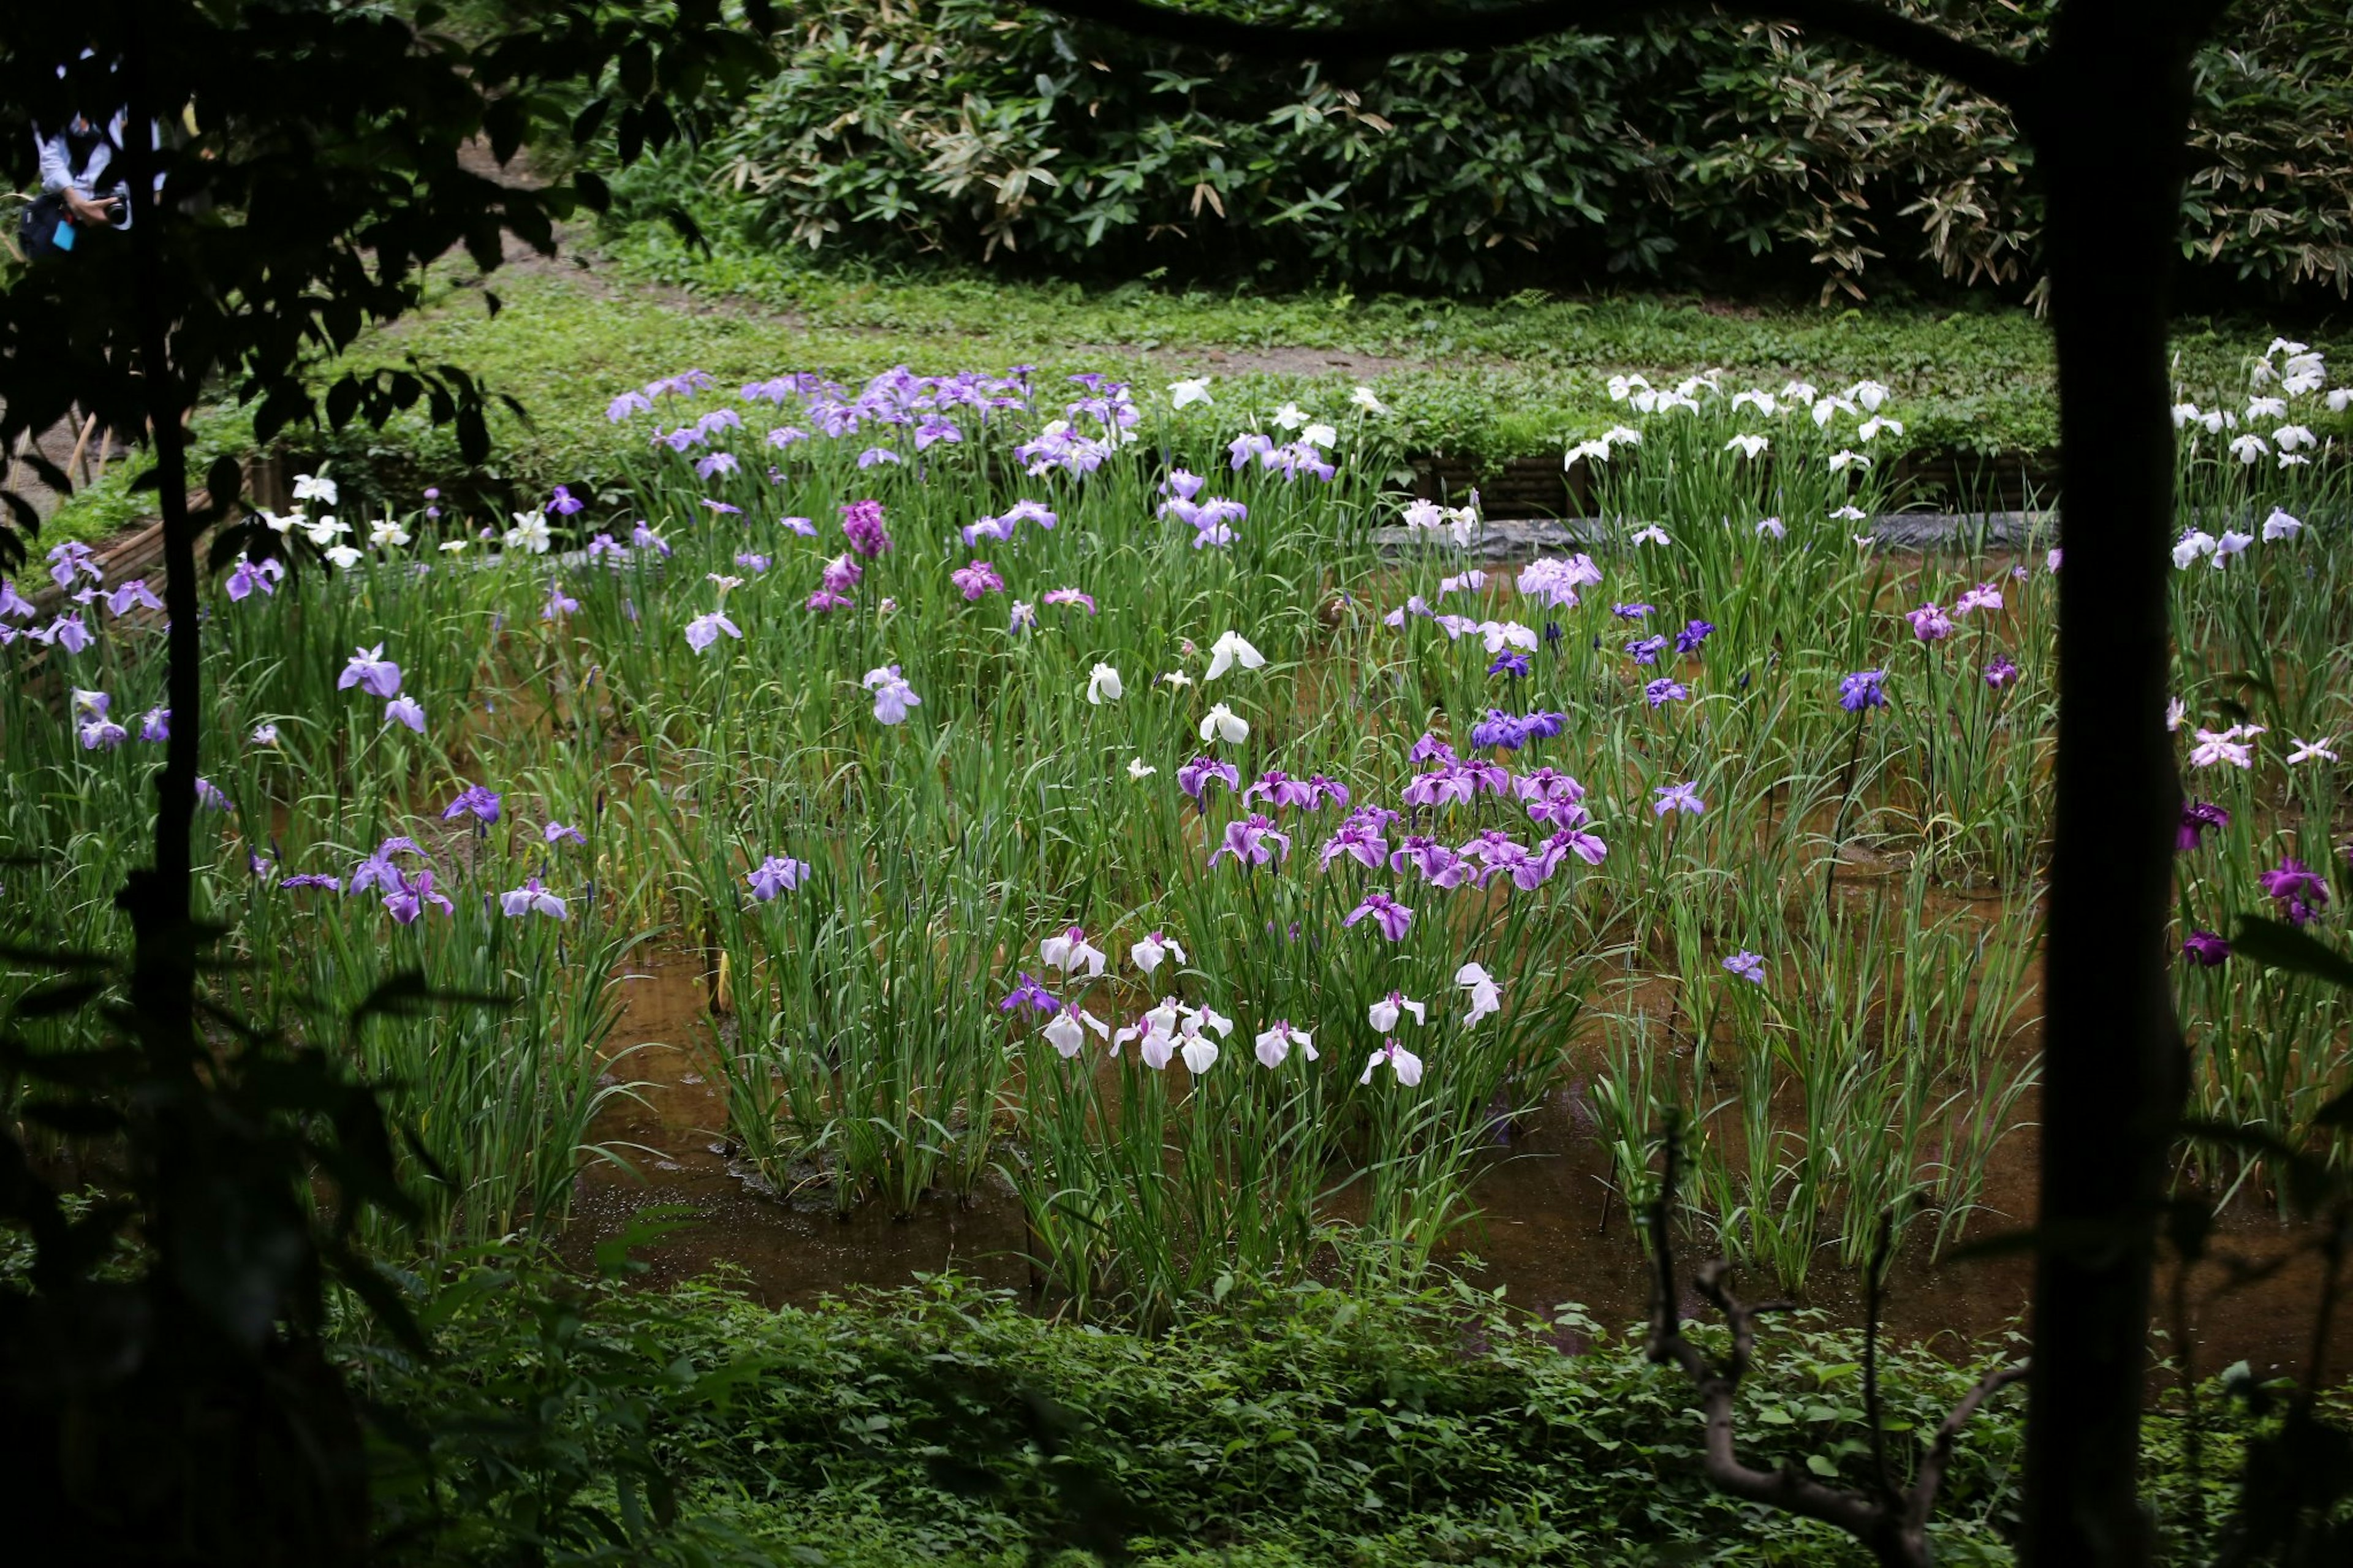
pixel 77 194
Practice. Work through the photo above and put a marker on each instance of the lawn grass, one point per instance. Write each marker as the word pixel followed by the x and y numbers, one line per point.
pixel 1520 376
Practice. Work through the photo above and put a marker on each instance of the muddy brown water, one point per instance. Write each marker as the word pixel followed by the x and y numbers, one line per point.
pixel 1550 1231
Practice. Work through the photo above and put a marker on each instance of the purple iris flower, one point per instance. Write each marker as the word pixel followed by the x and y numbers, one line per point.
pixel 1248 840
pixel 777 874
pixel 1663 690
pixel 13 604
pixel 2298 889
pixel 1390 916
pixel 371 672
pixel 840 575
pixel 564 503
pixel 1360 840
pixel 1747 965
pixel 155 726
pixel 1646 650
pixel 1029 993
pixel 1321 789
pixel 1509 663
pixel 1694 634
pixel 1631 612
pixel 975 580
pixel 119 601
pixel 2206 948
pixel 862 524
pixel 1862 689
pixel 1999 671
pixel 645 538
pixel 1428 747
pixel 558 604
pixel 751 562
pixel 377 870
pixel 1677 797
pixel 473 801
pixel 1193 777
pixel 405 710
pixel 313 879
pixel 2197 816
pixel 1070 596
pixel 557 833
pixel 1571 839
pixel 407 900
pixel 711 463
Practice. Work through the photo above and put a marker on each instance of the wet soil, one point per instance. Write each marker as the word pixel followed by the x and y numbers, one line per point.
pixel 1552 1231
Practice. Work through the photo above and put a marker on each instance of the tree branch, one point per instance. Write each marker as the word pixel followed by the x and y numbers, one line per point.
pixel 1891 1525
pixel 1415 29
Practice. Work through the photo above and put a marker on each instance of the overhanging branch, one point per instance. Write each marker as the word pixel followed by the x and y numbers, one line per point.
pixel 1415 29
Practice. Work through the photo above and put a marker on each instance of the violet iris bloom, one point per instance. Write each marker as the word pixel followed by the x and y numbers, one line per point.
pixel 1663 690
pixel 1862 689
pixel 1511 664
pixel 1999 671
pixel 1694 634
pixel 705 630
pixel 2205 949
pixel 564 503
pixel 473 801
pixel 777 874
pixel 557 833
pixel 2197 816
pixel 1747 965
pixel 1930 624
pixel 1030 995
pixel 893 696
pixel 405 710
pixel 1631 611
pixel 407 900
pixel 313 879
pixel 1360 840
pixel 1646 650
pixel 1386 913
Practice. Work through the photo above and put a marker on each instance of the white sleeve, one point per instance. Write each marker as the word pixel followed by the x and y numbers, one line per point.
pixel 57 171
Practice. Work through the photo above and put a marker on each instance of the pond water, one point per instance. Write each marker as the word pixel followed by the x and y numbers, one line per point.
pixel 1551 1231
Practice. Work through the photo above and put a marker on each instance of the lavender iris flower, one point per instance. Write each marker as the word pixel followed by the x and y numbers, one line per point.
pixel 557 833
pixel 1663 690
pixel 564 503
pixel 1673 797
pixel 1646 650
pixel 1248 840
pixel 1930 624
pixel 775 875
pixel 705 630
pixel 975 580
pixel 1631 611
pixel 405 710
pixel 533 898
pixel 893 696
pixel 371 672
pixel 1747 965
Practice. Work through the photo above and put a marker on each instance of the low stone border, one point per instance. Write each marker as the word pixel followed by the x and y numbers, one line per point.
pixel 1507 539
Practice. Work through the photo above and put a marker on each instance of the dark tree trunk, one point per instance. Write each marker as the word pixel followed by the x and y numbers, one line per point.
pixel 2112 123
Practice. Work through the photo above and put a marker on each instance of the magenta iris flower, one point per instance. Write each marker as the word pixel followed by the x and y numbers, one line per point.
pixel 2206 948
pixel 1391 917
pixel 2297 888
pixel 2196 818
pixel 975 580
pixel 1193 777
pixel 1086 601
pixel 862 524
pixel 1930 624
pixel 1360 839
pixel 1247 841
pixel 1862 689
pixel 1999 671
